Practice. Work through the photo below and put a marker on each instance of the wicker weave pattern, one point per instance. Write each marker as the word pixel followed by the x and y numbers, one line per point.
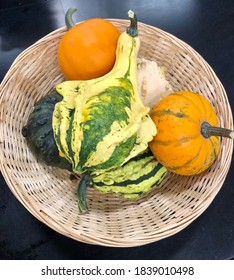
pixel 50 195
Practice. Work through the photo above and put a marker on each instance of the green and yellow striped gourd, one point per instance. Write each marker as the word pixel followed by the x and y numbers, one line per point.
pixel 102 123
pixel 137 176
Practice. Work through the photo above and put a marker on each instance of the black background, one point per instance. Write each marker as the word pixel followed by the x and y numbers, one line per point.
pixel 208 26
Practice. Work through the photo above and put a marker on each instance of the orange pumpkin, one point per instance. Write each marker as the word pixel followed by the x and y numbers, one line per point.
pixel 87 50
pixel 187 140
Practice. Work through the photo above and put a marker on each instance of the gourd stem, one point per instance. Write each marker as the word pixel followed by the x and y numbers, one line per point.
pixel 132 29
pixel 208 130
pixel 85 182
pixel 68 18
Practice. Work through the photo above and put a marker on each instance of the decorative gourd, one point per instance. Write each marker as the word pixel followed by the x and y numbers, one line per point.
pixel 136 177
pixel 87 50
pixel 139 175
pixel 102 123
pixel 187 140
pixel 152 82
pixel 39 132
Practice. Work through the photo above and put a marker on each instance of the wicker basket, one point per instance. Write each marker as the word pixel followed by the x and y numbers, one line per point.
pixel 50 195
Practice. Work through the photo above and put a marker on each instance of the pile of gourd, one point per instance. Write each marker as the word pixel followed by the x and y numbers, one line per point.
pixel 95 124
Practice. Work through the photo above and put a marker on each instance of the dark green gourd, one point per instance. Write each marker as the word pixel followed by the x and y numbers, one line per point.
pixel 39 132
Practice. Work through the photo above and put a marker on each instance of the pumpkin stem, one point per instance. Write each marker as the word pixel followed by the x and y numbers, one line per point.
pixel 132 29
pixel 68 18
pixel 86 181
pixel 208 130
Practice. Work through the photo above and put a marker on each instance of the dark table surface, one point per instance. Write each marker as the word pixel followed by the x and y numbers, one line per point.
pixel 208 26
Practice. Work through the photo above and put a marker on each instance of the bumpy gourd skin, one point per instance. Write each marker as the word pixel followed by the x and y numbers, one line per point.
pixel 139 175
pixel 39 132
